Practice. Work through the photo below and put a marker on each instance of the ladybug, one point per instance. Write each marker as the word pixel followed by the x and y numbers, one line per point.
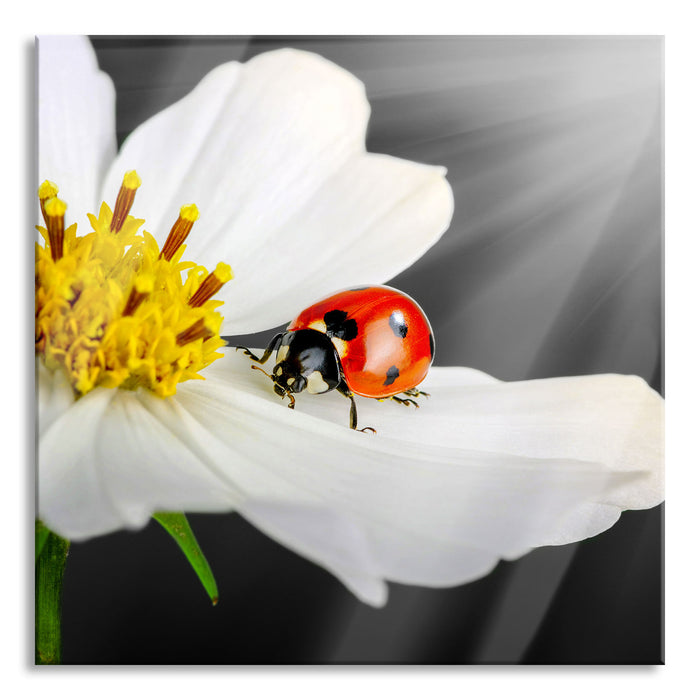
pixel 370 341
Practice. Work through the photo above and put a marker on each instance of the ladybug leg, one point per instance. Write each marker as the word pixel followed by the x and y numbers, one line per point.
pixel 405 402
pixel 415 392
pixel 272 347
pixel 343 389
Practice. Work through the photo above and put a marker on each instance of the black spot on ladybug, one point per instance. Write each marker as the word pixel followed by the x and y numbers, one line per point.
pixel 391 374
pixel 338 325
pixel 398 324
pixel 432 346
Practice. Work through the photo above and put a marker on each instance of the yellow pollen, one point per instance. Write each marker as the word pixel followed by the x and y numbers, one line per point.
pixel 211 285
pixel 189 212
pixel 125 200
pixel 55 207
pixel 131 180
pixel 180 230
pixel 47 189
pixel 112 311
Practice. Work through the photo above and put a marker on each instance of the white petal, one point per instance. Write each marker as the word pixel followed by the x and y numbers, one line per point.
pixel 484 470
pixel 369 221
pixel 110 461
pixel 77 137
pixel 613 420
pixel 326 537
pixel 273 154
pixel 55 396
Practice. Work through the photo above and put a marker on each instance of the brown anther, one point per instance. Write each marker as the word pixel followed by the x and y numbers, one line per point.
pixel 143 286
pixel 125 198
pixel 133 302
pixel 206 291
pixel 47 190
pixel 212 283
pixel 54 214
pixel 179 232
pixel 196 331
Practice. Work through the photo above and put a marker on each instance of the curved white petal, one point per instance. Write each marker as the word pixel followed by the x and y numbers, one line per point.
pixel 77 136
pixel 55 396
pixel 327 537
pixel 273 153
pixel 110 461
pixel 484 470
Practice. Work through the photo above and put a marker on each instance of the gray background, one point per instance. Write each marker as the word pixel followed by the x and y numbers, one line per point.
pixel 552 266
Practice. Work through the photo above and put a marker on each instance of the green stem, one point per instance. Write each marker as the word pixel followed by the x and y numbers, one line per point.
pixel 48 584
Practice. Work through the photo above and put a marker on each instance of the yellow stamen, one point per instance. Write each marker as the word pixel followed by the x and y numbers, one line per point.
pixel 111 307
pixel 125 198
pixel 47 190
pixel 180 230
pixel 213 282
pixel 54 214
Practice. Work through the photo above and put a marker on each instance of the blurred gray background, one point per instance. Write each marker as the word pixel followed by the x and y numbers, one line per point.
pixel 552 266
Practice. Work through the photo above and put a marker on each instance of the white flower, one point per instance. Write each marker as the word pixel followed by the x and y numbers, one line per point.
pixel 272 152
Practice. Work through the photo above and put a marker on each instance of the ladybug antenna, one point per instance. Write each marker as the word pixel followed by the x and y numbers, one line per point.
pixel 285 390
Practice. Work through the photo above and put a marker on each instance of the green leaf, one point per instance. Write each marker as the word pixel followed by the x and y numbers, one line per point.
pixel 176 524
pixel 41 534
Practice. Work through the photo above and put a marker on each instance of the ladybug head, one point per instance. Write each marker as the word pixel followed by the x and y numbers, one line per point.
pixel 286 379
pixel 306 360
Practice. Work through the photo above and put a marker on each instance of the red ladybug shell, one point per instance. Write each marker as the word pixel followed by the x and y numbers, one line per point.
pixel 382 337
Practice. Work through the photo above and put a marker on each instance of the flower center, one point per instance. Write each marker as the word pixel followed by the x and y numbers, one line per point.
pixel 114 310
